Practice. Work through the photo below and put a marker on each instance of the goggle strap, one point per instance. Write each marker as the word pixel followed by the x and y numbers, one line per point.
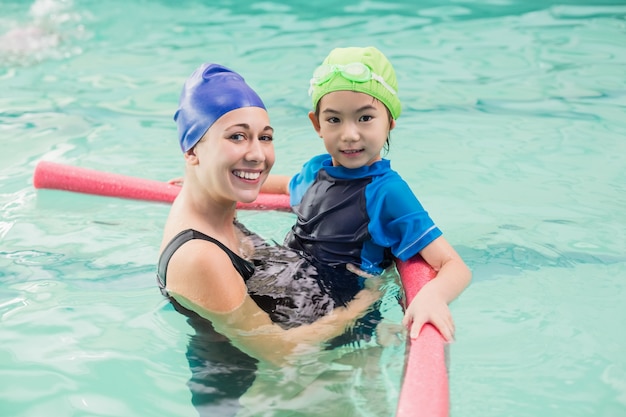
pixel 334 69
pixel 383 82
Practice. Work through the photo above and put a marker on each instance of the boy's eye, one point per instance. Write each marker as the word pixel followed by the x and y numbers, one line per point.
pixel 333 120
pixel 365 118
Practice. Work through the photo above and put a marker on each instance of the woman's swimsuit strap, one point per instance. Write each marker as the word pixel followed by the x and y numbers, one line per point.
pixel 245 268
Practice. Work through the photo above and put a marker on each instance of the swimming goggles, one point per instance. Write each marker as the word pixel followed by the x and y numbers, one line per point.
pixel 356 72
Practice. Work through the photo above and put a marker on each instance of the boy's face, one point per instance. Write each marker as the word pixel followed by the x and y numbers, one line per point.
pixel 354 127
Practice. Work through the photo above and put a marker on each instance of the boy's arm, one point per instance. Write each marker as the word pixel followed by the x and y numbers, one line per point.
pixel 276 184
pixel 430 305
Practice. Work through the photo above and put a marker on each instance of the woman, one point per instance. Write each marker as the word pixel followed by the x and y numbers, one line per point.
pixel 208 259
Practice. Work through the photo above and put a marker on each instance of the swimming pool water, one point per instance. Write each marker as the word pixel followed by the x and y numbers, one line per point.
pixel 512 136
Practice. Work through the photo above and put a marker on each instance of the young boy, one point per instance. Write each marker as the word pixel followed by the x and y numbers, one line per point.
pixel 353 210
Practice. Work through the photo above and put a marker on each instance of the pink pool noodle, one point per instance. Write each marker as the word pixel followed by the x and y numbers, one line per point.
pixel 51 175
pixel 424 390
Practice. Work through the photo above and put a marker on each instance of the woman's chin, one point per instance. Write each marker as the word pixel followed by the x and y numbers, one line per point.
pixel 248 196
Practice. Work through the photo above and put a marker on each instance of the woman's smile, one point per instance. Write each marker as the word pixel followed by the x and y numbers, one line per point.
pixel 253 175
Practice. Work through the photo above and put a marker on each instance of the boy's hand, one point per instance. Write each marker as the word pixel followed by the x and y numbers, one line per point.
pixel 429 307
pixel 176 181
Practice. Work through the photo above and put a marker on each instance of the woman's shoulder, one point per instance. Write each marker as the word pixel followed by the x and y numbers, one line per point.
pixel 203 273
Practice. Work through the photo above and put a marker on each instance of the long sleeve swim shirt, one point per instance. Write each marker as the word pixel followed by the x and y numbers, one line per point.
pixel 364 216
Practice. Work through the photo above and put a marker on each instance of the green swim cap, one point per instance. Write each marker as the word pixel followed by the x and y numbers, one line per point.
pixel 341 71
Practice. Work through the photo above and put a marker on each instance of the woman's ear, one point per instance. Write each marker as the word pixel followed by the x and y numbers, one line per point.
pixel 316 122
pixel 191 157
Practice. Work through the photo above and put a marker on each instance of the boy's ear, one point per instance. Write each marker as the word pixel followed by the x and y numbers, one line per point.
pixel 315 121
pixel 392 124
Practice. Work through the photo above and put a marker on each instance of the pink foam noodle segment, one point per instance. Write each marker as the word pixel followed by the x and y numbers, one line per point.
pixel 425 390
pixel 51 175
pixel 55 176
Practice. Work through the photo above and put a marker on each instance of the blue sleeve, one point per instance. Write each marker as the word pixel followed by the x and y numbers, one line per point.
pixel 300 182
pixel 397 219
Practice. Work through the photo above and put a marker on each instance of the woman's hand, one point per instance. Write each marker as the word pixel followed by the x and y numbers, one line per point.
pixel 356 308
pixel 358 271
pixel 372 282
pixel 429 307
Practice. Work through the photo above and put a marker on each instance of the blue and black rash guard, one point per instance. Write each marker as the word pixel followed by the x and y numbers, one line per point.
pixel 365 216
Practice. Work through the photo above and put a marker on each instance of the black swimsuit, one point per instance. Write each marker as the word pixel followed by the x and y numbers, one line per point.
pixel 221 373
pixel 245 268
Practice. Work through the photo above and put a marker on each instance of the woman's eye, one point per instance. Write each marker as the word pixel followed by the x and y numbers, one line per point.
pixel 266 138
pixel 237 136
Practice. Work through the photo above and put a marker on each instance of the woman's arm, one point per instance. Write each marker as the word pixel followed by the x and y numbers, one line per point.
pixel 251 330
pixel 430 305
pixel 202 279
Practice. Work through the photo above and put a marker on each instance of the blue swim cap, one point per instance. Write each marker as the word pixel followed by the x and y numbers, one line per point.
pixel 210 92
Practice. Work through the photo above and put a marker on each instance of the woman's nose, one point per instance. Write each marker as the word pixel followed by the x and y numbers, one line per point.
pixel 255 151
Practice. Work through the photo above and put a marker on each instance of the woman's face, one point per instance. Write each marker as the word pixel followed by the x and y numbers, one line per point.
pixel 236 155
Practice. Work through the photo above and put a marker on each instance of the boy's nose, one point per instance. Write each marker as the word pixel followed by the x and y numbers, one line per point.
pixel 350 132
